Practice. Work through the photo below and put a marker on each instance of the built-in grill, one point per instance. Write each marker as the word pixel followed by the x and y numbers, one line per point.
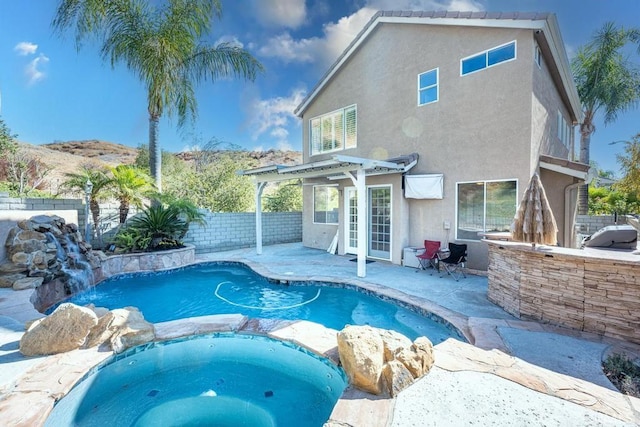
pixel 613 236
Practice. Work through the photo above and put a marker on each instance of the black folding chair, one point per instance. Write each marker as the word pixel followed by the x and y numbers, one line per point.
pixel 454 263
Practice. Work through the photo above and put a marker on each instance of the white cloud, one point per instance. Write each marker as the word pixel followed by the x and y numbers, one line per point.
pixel 284 47
pixel 33 69
pixel 452 5
pixel 280 13
pixel 323 50
pixel 26 48
pixel 337 35
pixel 274 115
pixel 232 40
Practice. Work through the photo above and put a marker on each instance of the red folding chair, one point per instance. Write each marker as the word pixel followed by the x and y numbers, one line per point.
pixel 429 258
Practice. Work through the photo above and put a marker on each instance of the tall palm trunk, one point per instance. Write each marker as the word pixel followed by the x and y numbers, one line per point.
pixel 95 213
pixel 124 211
pixel 586 129
pixel 155 154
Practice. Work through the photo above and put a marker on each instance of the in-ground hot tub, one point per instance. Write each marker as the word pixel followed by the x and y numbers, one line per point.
pixel 221 379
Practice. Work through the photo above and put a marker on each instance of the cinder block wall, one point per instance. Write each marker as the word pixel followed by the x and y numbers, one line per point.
pixel 225 231
pixel 587 293
pixel 589 224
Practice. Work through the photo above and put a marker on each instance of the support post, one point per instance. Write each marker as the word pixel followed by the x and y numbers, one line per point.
pixel 259 187
pixel 361 190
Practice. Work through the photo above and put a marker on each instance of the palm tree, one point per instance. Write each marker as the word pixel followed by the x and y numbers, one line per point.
pixel 77 182
pixel 130 186
pixel 162 47
pixel 606 81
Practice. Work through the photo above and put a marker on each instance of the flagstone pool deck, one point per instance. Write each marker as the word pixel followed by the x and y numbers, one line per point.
pixel 515 373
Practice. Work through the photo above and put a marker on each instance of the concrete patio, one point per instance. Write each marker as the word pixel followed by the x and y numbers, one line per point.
pixel 516 372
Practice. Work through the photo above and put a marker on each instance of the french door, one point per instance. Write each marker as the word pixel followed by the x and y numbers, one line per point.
pixel 379 216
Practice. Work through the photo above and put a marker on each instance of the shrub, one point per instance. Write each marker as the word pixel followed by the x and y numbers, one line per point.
pixel 623 373
pixel 155 228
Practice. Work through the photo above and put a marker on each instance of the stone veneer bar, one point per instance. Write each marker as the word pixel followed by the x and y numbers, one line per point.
pixel 592 290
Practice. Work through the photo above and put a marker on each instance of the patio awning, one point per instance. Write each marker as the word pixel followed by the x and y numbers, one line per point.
pixel 337 167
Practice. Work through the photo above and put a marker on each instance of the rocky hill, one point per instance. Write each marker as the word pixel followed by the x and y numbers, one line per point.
pixel 71 156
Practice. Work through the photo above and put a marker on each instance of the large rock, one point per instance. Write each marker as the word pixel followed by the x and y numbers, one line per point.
pixel 27 283
pixel 362 357
pixel 393 341
pixel 397 377
pixel 7 280
pixel 136 331
pixel 418 358
pixel 379 360
pixel 63 330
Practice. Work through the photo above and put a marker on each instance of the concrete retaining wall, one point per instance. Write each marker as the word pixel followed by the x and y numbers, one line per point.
pixel 592 291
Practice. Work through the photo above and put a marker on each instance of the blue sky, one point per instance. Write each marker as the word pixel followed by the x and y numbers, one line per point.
pixel 50 92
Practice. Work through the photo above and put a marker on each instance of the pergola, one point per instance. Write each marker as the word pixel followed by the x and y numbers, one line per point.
pixel 335 168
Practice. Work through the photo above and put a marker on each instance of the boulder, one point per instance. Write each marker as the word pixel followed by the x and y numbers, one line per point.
pixel 7 280
pixel 122 328
pixel 393 341
pixel 9 267
pixel 361 353
pixel 26 235
pixel 21 259
pixel 63 330
pixel 418 358
pixel 27 283
pixel 397 377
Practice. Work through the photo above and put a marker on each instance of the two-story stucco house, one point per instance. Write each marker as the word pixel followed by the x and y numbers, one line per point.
pixel 430 126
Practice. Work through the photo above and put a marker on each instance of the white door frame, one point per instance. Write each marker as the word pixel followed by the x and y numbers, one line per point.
pixel 347 221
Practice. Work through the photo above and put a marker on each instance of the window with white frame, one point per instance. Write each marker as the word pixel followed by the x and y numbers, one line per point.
pixel 325 204
pixel 488 58
pixel 428 87
pixel 564 130
pixel 485 206
pixel 537 56
pixel 333 131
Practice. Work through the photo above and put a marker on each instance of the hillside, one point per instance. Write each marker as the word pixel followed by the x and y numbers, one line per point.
pixel 71 156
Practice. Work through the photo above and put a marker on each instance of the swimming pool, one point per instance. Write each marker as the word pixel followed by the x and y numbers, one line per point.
pixel 220 379
pixel 227 288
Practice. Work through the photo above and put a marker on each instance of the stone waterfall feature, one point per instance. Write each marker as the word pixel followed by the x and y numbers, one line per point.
pixel 43 249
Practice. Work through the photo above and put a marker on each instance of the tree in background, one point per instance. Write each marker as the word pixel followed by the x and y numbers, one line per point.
pixel 21 173
pixel 215 186
pixel 100 179
pixel 8 144
pixel 606 81
pixel 130 186
pixel 630 165
pixel 162 46
pixel 286 198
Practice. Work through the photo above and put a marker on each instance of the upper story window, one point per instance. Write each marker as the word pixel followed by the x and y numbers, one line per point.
pixel 334 131
pixel 564 130
pixel 428 87
pixel 488 58
pixel 537 56
pixel 485 206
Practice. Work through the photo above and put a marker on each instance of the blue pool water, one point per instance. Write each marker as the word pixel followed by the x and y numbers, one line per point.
pixel 221 380
pixel 224 288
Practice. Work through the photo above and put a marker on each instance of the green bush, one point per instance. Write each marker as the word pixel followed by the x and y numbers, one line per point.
pixel 155 228
pixel 623 373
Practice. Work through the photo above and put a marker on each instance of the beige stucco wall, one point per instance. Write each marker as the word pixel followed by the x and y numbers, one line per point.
pixel 480 128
